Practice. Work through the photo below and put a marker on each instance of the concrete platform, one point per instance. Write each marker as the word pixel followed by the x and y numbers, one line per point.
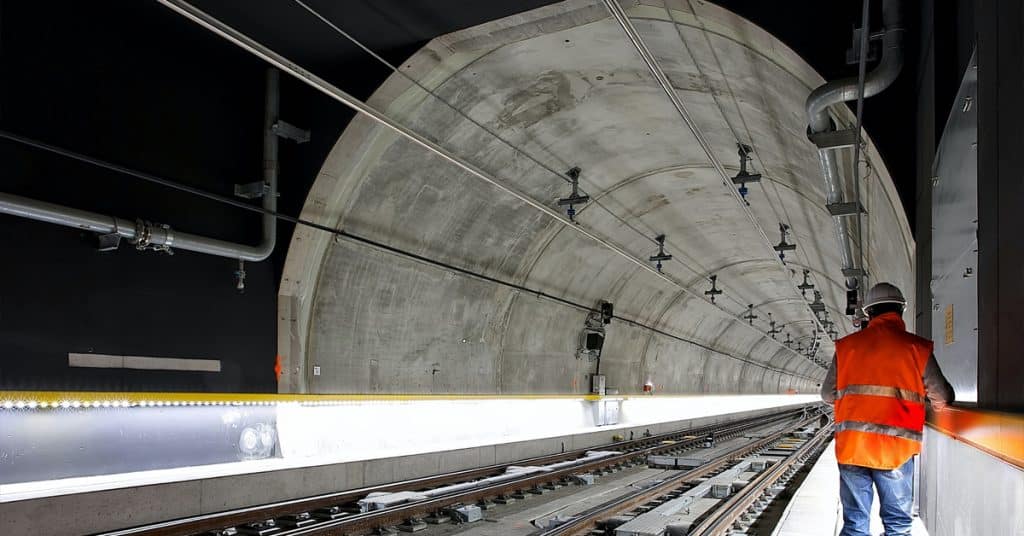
pixel 815 509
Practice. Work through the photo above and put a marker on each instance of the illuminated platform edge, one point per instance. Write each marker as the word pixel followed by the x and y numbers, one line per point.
pixel 107 399
pixel 107 502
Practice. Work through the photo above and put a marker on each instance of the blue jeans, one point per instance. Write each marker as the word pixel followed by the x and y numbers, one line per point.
pixel 895 490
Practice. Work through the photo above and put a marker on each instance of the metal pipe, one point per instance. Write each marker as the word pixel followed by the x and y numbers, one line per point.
pixel 158 236
pixel 859 128
pixel 145 234
pixel 270 167
pixel 50 213
pixel 839 91
pixel 265 53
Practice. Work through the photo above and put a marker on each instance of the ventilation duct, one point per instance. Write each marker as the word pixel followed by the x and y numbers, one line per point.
pixel 824 134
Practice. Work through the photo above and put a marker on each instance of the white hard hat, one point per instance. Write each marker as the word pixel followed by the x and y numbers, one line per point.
pixel 884 293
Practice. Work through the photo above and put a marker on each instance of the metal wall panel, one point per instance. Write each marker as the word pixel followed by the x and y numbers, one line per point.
pixel 966 491
pixel 954 282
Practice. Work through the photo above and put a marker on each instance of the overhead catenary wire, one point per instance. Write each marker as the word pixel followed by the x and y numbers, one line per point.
pixel 739 112
pixel 232 35
pixel 148 177
pixel 662 79
pixel 594 199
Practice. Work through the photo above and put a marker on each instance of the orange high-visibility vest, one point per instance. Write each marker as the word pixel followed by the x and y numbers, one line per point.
pixel 880 395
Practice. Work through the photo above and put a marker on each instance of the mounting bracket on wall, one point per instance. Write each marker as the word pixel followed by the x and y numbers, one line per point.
pixel 743 177
pixel 750 316
pixel 607 311
pixel 288 131
pixel 806 285
pixel 661 255
pixel 849 208
pixel 773 331
pixel 574 198
pixel 817 306
pixel 108 242
pixel 782 247
pixel 252 190
pixel 852 301
pixel 591 338
pixel 714 291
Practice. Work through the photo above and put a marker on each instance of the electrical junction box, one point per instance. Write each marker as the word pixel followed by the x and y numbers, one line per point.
pixel 606 411
pixel 585 479
pixel 721 491
pixel 597 384
pixel 468 513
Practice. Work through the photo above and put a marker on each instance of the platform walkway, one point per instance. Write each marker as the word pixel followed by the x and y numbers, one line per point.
pixel 815 509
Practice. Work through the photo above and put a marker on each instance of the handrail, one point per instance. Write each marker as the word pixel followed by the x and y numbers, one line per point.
pixel 997 433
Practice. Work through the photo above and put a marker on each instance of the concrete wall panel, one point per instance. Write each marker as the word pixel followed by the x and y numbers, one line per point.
pixel 563 84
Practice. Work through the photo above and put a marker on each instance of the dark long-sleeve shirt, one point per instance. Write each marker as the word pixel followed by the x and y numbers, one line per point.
pixel 938 391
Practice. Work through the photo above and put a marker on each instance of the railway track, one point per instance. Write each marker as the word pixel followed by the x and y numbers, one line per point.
pixel 352 513
pixel 732 516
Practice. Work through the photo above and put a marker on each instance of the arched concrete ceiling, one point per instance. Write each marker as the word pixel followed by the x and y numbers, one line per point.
pixel 564 85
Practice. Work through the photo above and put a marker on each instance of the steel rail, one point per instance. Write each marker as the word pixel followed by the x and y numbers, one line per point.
pixel 588 520
pixel 370 521
pixel 721 521
pixel 263 52
pixel 220 520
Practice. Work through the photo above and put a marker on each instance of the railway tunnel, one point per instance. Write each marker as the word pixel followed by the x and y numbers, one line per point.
pixel 569 267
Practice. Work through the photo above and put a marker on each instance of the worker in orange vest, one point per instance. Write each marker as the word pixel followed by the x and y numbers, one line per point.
pixel 879 381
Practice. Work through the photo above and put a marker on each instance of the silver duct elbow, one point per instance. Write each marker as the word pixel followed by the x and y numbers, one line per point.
pixel 844 90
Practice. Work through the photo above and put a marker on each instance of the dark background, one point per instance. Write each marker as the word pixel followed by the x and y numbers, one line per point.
pixel 131 82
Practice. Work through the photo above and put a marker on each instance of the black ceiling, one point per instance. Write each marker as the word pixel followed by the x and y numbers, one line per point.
pixel 143 47
pixel 134 83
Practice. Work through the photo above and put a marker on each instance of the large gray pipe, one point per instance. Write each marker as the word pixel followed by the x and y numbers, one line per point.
pixel 159 236
pixel 153 235
pixel 270 166
pixel 844 90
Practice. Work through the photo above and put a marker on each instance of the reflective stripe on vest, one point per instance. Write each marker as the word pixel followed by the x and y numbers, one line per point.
pixel 881 390
pixel 894 431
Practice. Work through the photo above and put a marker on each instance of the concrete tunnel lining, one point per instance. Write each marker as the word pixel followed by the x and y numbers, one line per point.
pixel 375 322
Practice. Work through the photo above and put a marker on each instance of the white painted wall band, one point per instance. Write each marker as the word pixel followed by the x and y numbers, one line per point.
pixel 143 363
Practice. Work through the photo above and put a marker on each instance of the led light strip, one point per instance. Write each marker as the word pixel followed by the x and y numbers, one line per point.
pixel 76 400
pixel 19 400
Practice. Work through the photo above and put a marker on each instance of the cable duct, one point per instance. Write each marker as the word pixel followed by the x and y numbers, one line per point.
pixel 839 91
pixel 147 235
